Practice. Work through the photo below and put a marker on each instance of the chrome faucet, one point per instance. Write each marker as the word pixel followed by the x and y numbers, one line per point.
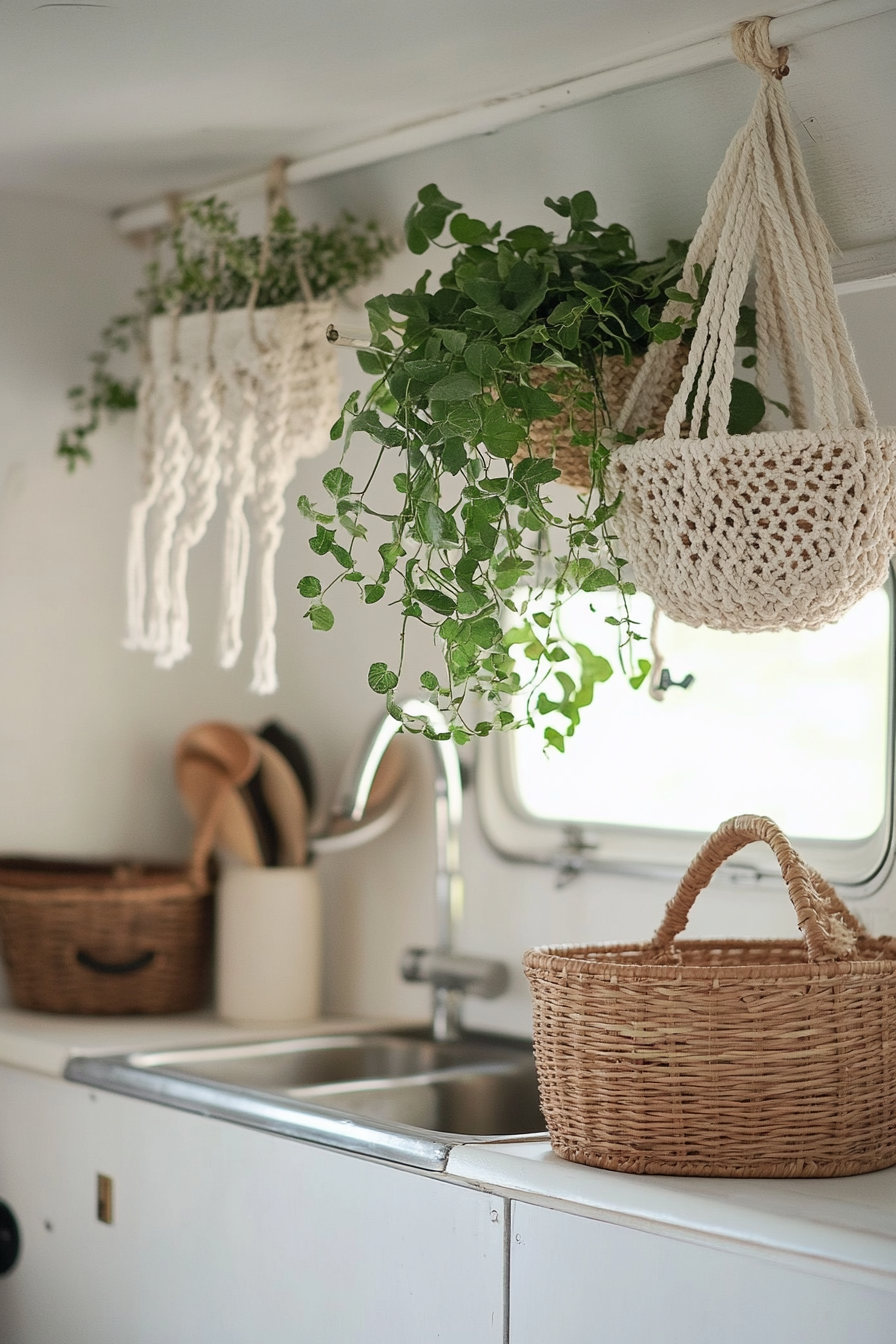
pixel 451 975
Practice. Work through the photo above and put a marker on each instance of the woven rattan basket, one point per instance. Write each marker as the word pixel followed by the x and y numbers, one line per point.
pixel 553 437
pixel 723 1058
pixel 81 938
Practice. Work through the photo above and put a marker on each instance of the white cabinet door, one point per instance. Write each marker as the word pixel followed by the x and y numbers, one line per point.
pixel 224 1235
pixel 581 1281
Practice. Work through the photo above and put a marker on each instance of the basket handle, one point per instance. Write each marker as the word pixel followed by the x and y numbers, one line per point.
pixel 829 928
pixel 93 963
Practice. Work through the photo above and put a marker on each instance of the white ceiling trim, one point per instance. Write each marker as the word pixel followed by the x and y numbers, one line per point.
pixel 859 268
pixel 494 114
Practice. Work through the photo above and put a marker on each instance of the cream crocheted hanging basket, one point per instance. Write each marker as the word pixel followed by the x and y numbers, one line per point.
pixel 762 531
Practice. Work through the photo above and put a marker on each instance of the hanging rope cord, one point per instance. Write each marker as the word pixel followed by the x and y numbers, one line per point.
pixel 147 408
pixel 275 200
pixel 212 432
pixel 242 471
pixel 292 359
pixel 761 206
pixel 164 398
pixel 264 461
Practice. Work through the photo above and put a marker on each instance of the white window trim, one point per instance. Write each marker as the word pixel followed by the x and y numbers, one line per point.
pixel 860 868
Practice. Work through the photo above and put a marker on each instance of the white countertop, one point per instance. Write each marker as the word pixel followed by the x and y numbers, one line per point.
pixel 45 1042
pixel 843 1227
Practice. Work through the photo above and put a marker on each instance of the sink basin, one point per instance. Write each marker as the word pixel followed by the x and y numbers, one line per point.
pixel 398 1095
pixel 287 1065
pixel 488 1101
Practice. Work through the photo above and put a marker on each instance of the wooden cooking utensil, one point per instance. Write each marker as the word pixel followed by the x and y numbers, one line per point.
pixel 211 762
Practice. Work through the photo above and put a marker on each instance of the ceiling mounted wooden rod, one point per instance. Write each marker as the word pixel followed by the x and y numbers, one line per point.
pixel 492 115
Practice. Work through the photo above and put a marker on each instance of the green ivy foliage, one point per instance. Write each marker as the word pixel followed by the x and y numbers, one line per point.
pixel 204 261
pixel 476 542
pixel 477 551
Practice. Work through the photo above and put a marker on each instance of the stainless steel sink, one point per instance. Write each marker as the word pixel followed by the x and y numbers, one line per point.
pixel 398 1095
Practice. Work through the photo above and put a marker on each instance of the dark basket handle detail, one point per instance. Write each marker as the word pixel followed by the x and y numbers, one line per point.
pixel 114 967
pixel 829 928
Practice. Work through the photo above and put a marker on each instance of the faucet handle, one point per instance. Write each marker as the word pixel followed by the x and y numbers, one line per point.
pixel 479 976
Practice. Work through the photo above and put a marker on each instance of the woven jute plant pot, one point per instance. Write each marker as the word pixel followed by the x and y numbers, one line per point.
pixel 80 938
pixel 553 437
pixel 729 1058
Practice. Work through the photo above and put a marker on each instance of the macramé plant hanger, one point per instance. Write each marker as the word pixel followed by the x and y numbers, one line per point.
pixel 229 403
pixel 758 531
pixel 238 383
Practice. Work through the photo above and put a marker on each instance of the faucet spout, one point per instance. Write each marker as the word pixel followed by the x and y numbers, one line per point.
pixel 449 809
pixel 450 976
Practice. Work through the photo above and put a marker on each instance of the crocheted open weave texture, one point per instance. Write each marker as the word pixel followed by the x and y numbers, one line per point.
pixel 729 1058
pixel 767 530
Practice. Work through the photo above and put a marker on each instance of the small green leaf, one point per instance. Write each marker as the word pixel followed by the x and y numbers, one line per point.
pixel 583 208
pixel 370 362
pixel 380 679
pixel 321 616
pixel 637 681
pixel 429 681
pixel 482 358
pixel 746 409
pixel 322 540
pixel 390 553
pixel 373 592
pixel 486 632
pixel 456 387
pixel 554 739
pixel 340 554
pixel 309 586
pixel 435 600
pixel 436 526
pixel 533 471
pixel 598 578
pixel 501 436
pixel 453 341
pixel 536 404
pixel 454 455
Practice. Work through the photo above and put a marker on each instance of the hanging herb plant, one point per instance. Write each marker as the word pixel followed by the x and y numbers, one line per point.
pixel 204 261
pixel 516 354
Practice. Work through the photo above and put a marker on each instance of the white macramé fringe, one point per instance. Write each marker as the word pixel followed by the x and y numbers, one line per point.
pixel 228 405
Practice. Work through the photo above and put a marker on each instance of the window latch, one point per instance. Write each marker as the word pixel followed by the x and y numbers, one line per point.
pixel 666 681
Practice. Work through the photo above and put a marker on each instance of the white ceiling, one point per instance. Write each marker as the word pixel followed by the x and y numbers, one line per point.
pixel 115 103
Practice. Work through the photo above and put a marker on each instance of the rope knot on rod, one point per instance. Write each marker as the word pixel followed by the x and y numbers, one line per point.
pixel 752 46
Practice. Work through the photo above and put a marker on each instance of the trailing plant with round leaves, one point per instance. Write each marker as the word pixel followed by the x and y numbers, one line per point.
pixel 474 535
pixel 474 542
pixel 205 262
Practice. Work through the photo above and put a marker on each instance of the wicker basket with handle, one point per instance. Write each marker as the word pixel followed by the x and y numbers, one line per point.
pixel 103 939
pixel 729 1058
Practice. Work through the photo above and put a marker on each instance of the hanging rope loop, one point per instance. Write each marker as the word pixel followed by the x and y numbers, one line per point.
pixel 752 47
pixel 276 199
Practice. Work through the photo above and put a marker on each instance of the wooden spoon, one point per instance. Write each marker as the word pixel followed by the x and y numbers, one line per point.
pixel 287 806
pixel 211 762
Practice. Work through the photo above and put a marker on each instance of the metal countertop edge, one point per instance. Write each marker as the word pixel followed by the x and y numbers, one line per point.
pixel 295 1120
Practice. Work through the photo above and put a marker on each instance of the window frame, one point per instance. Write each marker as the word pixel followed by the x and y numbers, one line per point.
pixel 859 868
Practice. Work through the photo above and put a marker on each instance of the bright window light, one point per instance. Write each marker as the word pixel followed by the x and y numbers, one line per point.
pixel 793 725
